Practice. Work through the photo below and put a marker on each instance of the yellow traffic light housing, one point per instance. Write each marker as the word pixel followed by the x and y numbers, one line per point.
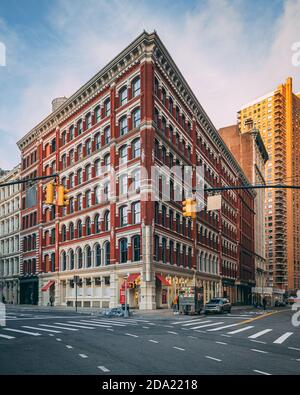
pixel 62 197
pixel 189 208
pixel 49 194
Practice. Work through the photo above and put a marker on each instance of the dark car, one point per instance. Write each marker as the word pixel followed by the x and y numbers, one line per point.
pixel 280 303
pixel 114 312
pixel 217 305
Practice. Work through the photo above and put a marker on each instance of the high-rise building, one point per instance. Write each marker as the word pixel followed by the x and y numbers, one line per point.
pixel 136 114
pixel 277 116
pixel 10 237
pixel 250 152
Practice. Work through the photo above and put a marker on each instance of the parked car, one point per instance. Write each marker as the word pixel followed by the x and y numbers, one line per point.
pixel 291 300
pixel 217 305
pixel 280 303
pixel 114 312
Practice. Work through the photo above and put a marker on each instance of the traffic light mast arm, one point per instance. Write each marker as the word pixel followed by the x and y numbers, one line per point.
pixel 278 186
pixel 28 180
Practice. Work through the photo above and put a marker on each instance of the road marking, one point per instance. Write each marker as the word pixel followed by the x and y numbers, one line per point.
pixel 83 355
pixel 183 322
pixel 199 331
pixel 109 329
pixel 58 327
pixel 258 341
pixel 240 330
pixel 51 334
pixel 265 373
pixel 214 359
pixel 20 331
pixel 283 338
pixel 146 327
pixel 40 329
pixel 261 333
pixel 261 351
pixel 153 341
pixel 294 348
pixel 75 326
pixel 193 337
pixel 59 340
pixel 7 337
pixel 207 325
pixel 226 335
pixel 68 346
pixel 225 344
pixel 179 348
pixel 168 326
pixel 129 334
pixel 260 317
pixel 222 327
pixel 196 322
pixel 90 324
pixel 172 333
pixel 104 322
pixel 104 369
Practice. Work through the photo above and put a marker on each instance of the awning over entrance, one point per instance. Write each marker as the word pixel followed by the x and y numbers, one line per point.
pixel 48 285
pixel 132 277
pixel 162 279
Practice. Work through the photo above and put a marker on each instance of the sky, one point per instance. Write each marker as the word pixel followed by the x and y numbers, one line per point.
pixel 229 51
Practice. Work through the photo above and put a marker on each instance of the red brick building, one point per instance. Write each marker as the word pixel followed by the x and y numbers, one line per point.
pixel 135 114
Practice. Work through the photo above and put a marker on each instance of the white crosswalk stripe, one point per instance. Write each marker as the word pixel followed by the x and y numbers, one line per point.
pixel 207 325
pixel 7 337
pixel 41 329
pixel 183 322
pixel 240 330
pixel 108 322
pixel 59 327
pixel 20 331
pixel 74 326
pixel 259 334
pixel 90 324
pixel 283 338
pixel 222 327
pixel 196 322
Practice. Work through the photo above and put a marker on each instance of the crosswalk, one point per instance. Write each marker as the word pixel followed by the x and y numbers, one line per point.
pixel 56 327
pixel 203 325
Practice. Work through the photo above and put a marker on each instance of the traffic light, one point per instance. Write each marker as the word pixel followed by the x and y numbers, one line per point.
pixel 50 193
pixel 189 208
pixel 130 284
pixel 62 197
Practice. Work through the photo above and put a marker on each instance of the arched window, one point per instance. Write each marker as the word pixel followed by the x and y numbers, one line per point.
pixel 123 95
pixel 71 257
pixel 71 180
pixel 178 254
pixel 136 148
pixel 123 216
pixel 106 160
pixel 97 167
pixel 71 231
pixel 88 229
pixel 79 127
pixel 88 256
pixel 107 107
pixel 71 133
pixel 163 125
pixel 97 223
pixel 63 233
pixel 79 202
pixel 88 199
pixel 123 184
pixel 79 176
pixel 63 261
pixel 164 250
pixel 136 118
pixel 97 114
pixel 163 215
pixel 107 135
pixel 64 138
pixel 79 228
pixel 88 172
pixel 97 193
pixel 107 221
pixel 156 248
pixel 123 125
pixel 136 248
pixel 136 213
pixel 88 120
pixel 88 147
pixel 123 154
pixel 107 253
pixel 97 141
pixel 97 255
pixel 123 250
pixel 106 191
pixel 136 180
pixel 79 258
pixel 136 87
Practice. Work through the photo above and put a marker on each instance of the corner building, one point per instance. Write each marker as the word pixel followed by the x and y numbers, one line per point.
pixel 136 113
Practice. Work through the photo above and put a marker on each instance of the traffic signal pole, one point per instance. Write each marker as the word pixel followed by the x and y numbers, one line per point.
pixel 28 180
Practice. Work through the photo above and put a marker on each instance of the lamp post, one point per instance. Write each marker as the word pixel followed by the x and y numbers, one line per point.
pixel 76 278
pixel 125 290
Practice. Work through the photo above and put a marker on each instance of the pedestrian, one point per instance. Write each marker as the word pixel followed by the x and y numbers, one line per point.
pixel 265 302
pixel 51 300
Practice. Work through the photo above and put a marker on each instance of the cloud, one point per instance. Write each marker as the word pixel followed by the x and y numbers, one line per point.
pixel 228 53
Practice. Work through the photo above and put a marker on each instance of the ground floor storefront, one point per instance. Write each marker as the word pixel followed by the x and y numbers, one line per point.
pixel 104 287
pixel 29 290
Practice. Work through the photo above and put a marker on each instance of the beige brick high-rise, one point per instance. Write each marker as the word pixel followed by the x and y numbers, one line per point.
pixel 277 116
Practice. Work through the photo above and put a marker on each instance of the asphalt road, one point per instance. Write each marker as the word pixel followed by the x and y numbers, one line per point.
pixel 58 342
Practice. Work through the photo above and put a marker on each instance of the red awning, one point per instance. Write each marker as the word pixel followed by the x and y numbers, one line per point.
pixel 162 279
pixel 48 285
pixel 132 277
